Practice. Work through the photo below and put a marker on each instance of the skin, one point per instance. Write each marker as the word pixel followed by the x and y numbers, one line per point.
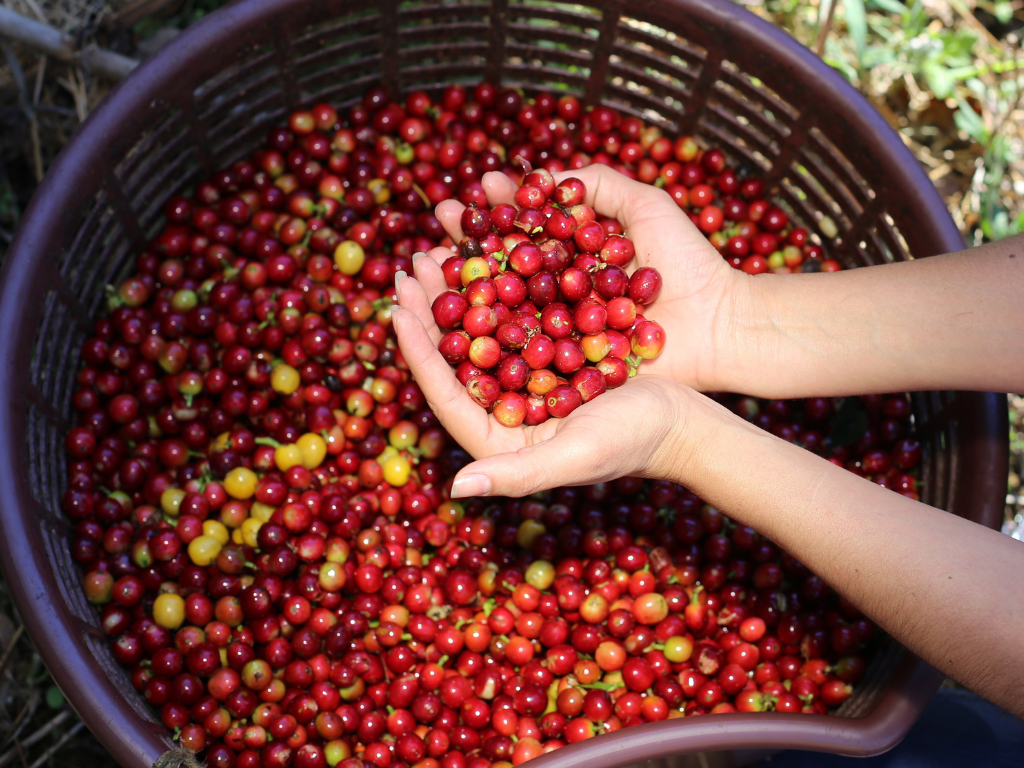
pixel 932 580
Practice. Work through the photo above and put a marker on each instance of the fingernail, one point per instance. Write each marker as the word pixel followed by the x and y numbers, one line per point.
pixel 471 485
pixel 400 277
pixel 416 257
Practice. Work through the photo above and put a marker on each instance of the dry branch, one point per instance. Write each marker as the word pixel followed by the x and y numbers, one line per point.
pixel 44 38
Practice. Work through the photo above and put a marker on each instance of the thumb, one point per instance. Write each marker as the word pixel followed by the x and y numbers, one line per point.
pixel 550 464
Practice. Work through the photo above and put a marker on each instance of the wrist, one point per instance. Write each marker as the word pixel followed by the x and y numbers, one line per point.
pixel 746 336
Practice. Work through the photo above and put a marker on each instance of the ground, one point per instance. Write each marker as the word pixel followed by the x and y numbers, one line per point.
pixel 947 74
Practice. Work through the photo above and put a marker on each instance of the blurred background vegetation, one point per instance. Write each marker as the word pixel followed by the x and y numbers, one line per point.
pixel 948 75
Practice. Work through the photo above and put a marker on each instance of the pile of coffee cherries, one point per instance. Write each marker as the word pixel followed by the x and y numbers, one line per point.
pixel 514 259
pixel 260 496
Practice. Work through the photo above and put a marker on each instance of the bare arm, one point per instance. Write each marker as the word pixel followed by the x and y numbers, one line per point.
pixel 941 585
pixel 948 322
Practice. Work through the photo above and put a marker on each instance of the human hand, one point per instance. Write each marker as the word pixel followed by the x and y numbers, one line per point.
pixel 702 298
pixel 632 430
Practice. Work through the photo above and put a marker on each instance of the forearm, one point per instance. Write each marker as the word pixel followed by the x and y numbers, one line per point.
pixel 948 322
pixel 941 585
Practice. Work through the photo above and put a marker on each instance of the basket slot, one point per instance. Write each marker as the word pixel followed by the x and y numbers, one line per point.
pixel 804 207
pixel 460 53
pixel 840 167
pixel 180 173
pixel 91 249
pixel 328 78
pixel 893 239
pixel 529 76
pixel 818 203
pixel 757 91
pixel 239 101
pixel 660 44
pixel 550 15
pixel 51 380
pixel 835 187
pixel 656 67
pixel 353 25
pixel 438 37
pixel 46 453
pixel 232 136
pixel 568 49
pixel 848 241
pixel 150 151
pixel 356 43
pixel 55 542
pixel 757 114
pixel 876 676
pixel 820 188
pixel 664 89
pixel 438 75
pixel 730 130
pixel 255 68
pixel 724 137
pixel 412 14
pixel 626 97
pixel 342 93
pixel 743 130
pixel 880 247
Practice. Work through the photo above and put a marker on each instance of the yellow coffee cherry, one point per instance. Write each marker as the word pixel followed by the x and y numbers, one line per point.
pixel 387 453
pixel 240 483
pixel 313 449
pixel 397 470
pixel 170 500
pixel 216 530
pixel 474 268
pixel 776 260
pixel 349 257
pixel 236 536
pixel 540 574
pixel 203 550
pixel 169 610
pixel 380 190
pixel 249 530
pixel 261 512
pixel 287 456
pixel 529 531
pixel 284 379
pixel 403 435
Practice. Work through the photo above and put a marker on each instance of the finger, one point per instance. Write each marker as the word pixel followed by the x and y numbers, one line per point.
pixel 441 254
pixel 428 273
pixel 498 187
pixel 449 213
pixel 563 459
pixel 412 298
pixel 465 421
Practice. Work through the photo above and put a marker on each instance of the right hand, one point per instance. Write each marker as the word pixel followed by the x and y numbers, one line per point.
pixel 702 299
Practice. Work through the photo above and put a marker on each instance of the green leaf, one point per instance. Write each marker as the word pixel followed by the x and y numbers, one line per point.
pixel 856 23
pixel 1003 11
pixel 54 698
pixel 891 6
pixel 939 78
pixel 970 122
pixel 851 421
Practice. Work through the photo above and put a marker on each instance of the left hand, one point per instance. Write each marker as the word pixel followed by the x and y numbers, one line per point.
pixel 632 430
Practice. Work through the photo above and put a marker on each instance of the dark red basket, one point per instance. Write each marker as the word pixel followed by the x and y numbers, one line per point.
pixel 705 67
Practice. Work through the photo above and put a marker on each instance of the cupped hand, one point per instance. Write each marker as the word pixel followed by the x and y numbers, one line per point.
pixel 703 301
pixel 632 430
